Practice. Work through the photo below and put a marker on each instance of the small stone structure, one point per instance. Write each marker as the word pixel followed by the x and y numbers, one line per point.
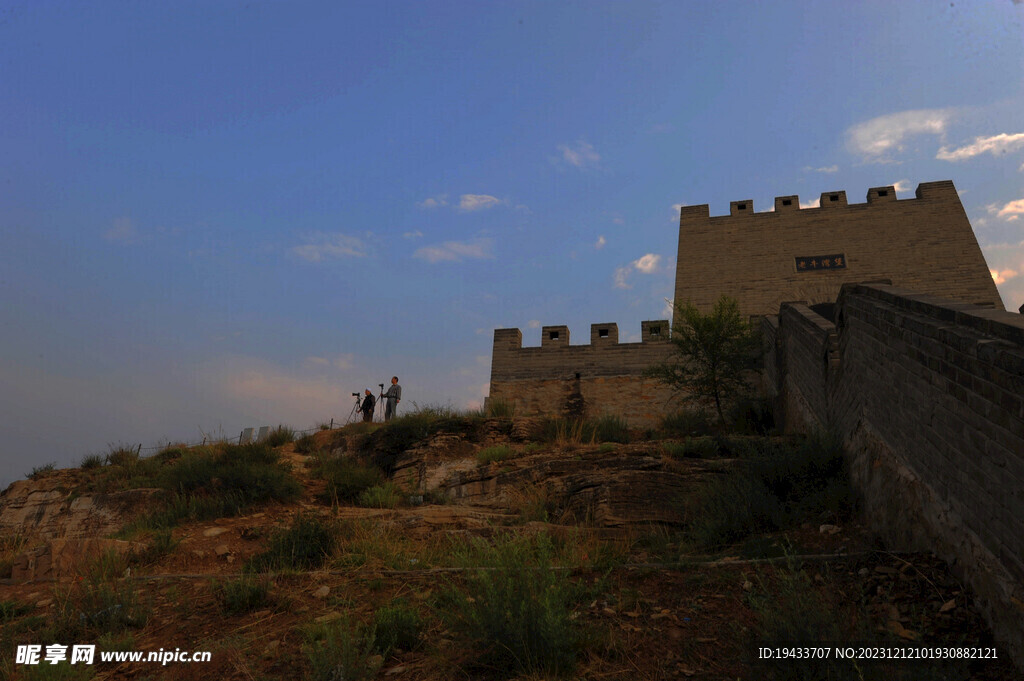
pixel 602 377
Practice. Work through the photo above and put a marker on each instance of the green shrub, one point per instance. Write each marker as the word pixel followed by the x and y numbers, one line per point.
pixel 347 478
pixel 281 435
pixel 39 470
pixel 254 472
pixel 341 651
pixel 90 461
pixel 242 595
pixel 780 485
pixel 10 610
pixel 171 453
pixel 686 422
pixel 518 615
pixel 100 603
pixel 694 448
pixel 606 447
pixel 492 454
pixel 306 545
pixel 610 429
pixel 498 408
pixel 751 415
pixel 161 545
pixel 124 456
pixel 306 444
pixel 733 508
pixel 384 495
pixel 397 626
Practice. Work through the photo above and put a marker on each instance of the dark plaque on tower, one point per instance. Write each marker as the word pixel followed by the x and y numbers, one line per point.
pixel 809 263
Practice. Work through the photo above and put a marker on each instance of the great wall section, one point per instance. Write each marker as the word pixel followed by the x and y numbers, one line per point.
pixel 926 394
pixel 921 373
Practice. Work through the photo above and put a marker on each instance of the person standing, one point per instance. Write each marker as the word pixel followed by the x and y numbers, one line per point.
pixel 394 396
pixel 369 403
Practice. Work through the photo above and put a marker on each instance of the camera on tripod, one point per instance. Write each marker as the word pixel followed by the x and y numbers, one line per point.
pixel 355 394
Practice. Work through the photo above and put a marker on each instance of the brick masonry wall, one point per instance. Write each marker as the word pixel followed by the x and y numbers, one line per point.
pixel 928 395
pixel 925 244
pixel 602 377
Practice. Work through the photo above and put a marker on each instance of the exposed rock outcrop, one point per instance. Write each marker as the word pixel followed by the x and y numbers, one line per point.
pixel 43 508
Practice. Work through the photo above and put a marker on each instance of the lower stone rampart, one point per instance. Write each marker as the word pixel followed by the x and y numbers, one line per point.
pixel 928 396
pixel 602 378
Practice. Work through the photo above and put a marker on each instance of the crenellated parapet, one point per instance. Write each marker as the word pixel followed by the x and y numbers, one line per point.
pixel 604 355
pixel 791 252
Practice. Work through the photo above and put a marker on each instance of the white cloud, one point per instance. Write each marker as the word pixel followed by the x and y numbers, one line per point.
pixel 434 201
pixel 601 241
pixel 1002 277
pixel 322 246
pixel 647 263
pixel 1021 169
pixel 813 203
pixel 580 155
pixel 996 144
pixel 675 211
pixel 901 186
pixel 455 251
pixel 824 169
pixel 1010 211
pixel 471 202
pixel 122 232
pixel 875 139
pixel 415 234
pixel 533 324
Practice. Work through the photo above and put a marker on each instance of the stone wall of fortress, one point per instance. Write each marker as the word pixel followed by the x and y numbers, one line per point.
pixel 928 396
pixel 925 244
pixel 602 377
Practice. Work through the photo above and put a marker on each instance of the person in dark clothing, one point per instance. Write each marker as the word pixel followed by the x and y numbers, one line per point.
pixel 369 404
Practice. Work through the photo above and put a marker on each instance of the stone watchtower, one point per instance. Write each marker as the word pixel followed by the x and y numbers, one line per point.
pixel 791 253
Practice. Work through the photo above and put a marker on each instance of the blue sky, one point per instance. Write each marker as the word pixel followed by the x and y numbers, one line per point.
pixel 216 215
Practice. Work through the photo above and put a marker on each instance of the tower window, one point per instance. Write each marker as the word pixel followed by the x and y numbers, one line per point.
pixel 552 335
pixel 602 333
pixel 655 330
pixel 787 202
pixel 741 206
pixel 883 192
pixel 833 197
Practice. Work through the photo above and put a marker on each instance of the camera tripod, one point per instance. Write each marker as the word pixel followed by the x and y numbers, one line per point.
pixel 355 416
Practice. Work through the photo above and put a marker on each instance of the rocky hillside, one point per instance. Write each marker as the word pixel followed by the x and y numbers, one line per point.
pixel 445 547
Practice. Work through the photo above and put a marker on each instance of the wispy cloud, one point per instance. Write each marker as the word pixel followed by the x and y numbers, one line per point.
pixel 876 139
pixel 813 203
pixel 621 277
pixel 1010 211
pixel 579 155
pixel 996 144
pixel 1001 277
pixel 823 169
pixel 322 246
pixel 473 202
pixel 122 232
pixel 434 201
pixel 345 361
pixel 646 264
pixel 415 234
pixel 675 211
pixel 601 241
pixel 533 324
pixel 901 185
pixel 455 251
